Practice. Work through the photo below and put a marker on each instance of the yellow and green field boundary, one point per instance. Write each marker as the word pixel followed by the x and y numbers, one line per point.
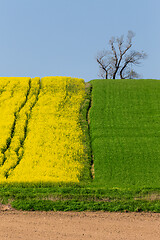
pixel 70 145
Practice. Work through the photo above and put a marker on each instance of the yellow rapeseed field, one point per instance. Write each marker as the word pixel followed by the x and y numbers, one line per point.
pixel 14 151
pixel 45 136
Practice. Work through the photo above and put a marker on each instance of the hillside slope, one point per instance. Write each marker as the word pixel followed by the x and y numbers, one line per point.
pixel 125 132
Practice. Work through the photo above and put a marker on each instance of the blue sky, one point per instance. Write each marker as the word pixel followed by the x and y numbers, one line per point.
pixel 62 37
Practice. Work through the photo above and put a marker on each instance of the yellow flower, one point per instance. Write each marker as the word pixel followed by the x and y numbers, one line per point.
pixel 46 143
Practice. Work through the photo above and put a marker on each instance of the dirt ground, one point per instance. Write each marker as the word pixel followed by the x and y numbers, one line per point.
pixel 17 225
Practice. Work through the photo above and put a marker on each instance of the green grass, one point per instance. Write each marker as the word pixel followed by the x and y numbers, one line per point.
pixel 132 206
pixel 125 133
pixel 78 197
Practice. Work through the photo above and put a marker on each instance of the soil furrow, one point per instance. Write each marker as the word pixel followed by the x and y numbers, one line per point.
pixel 88 120
pixel 25 133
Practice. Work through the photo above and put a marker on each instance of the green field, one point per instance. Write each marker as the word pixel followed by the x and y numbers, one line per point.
pixel 125 133
pixel 122 138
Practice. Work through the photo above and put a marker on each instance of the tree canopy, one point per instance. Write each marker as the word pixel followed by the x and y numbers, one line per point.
pixel 120 59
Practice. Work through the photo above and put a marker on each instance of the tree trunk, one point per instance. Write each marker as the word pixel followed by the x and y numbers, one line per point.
pixel 122 70
pixel 106 75
pixel 121 74
pixel 114 74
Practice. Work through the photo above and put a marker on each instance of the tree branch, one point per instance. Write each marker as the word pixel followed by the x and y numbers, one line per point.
pixel 132 58
pixel 103 67
pixel 117 60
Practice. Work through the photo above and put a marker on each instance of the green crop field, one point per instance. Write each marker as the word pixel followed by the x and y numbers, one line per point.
pixel 125 133
pixel 120 121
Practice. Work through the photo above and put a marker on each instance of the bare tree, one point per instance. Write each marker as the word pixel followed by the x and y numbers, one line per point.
pixel 120 59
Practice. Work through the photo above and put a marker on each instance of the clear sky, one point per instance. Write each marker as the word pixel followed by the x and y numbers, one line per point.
pixel 61 37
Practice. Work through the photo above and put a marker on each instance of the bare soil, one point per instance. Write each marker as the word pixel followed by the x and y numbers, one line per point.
pixel 17 225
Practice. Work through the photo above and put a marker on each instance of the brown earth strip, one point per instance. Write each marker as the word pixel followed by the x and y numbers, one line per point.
pixel 73 225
